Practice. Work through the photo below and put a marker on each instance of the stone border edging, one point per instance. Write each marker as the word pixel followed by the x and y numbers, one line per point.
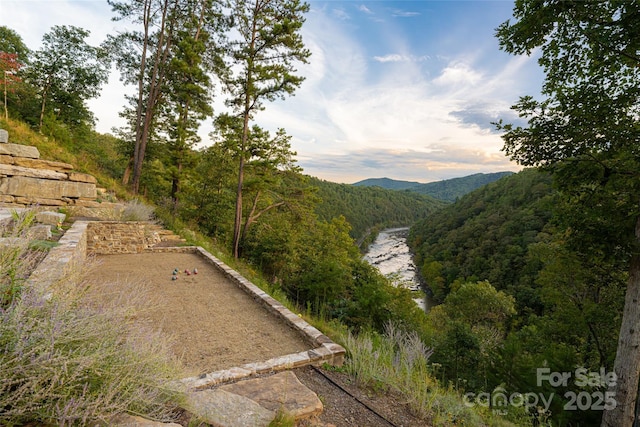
pixel 325 350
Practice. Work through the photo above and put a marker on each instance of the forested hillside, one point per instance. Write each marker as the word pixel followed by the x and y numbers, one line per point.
pixel 452 189
pixel 513 296
pixel 486 235
pixel 366 208
pixel 448 190
pixel 388 183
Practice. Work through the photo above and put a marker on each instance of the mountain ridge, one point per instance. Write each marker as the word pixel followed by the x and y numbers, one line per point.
pixel 448 190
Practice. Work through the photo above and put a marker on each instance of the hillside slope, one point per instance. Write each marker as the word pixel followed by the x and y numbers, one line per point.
pixel 448 190
pixel 485 235
pixel 368 207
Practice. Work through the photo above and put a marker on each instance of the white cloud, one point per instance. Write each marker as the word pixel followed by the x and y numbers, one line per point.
pixel 402 124
pixel 341 14
pixel 365 9
pixel 360 112
pixel 458 74
pixel 396 57
pixel 398 13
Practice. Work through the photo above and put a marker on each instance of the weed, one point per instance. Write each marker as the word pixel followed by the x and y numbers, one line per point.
pixel 283 419
pixel 399 361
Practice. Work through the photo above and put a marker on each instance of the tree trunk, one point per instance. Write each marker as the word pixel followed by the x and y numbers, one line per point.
pixel 143 130
pixel 127 172
pixel 627 364
pixel 238 218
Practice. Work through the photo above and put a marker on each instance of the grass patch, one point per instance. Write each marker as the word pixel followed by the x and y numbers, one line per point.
pixel 398 362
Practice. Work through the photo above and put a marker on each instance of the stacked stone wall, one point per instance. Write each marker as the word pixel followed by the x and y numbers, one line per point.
pixel 27 180
pixel 62 260
pixel 114 237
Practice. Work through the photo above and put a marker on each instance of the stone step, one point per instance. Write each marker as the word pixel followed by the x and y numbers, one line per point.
pixel 254 402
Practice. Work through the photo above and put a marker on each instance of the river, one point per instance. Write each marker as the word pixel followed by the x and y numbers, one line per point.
pixel 391 255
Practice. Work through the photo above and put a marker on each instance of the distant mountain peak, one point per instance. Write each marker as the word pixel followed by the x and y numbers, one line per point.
pixel 448 189
pixel 388 183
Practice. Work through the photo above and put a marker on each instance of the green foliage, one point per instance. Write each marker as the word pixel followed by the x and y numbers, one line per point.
pixel 369 208
pixel 452 189
pixel 586 131
pixel 11 42
pixel 567 303
pixel 485 236
pixel 480 304
pixel 398 362
pixel 388 183
pixel 447 190
pixel 16 262
pixel 260 66
pixel 467 330
pixel 66 72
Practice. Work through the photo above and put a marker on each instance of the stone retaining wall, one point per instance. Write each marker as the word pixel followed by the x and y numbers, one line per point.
pixel 69 255
pixel 27 180
pixel 114 237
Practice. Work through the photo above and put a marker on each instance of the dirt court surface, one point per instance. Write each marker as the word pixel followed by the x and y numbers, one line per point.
pixel 214 324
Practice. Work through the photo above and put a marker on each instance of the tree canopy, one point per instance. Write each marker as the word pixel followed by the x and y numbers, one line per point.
pixel 586 131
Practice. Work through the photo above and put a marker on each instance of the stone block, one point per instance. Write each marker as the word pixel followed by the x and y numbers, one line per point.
pixel 51 218
pixel 7 159
pixel 41 164
pixel 39 232
pixel 82 177
pixel 40 201
pixel 18 150
pixel 280 391
pixel 86 203
pixel 48 189
pixel 12 242
pixel 4 136
pixel 13 170
pixel 126 420
pixel 224 409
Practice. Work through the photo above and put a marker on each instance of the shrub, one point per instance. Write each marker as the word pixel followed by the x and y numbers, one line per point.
pixel 65 361
pixel 398 361
pixel 135 210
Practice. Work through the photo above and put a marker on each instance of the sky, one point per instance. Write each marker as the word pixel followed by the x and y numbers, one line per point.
pixel 399 89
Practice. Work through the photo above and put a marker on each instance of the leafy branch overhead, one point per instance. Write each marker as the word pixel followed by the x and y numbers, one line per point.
pixel 586 132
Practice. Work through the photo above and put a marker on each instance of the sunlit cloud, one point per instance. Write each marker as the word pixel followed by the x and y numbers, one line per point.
pixel 341 14
pixel 457 74
pixel 381 97
pixel 365 9
pixel 413 165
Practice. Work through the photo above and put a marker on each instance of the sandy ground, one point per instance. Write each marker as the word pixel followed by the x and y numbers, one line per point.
pixel 214 324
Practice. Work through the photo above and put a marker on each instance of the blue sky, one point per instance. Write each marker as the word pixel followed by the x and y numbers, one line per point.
pixel 398 89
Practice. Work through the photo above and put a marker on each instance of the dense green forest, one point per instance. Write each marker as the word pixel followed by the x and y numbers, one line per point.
pixel 486 235
pixel 448 190
pixel 370 208
pixel 513 297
